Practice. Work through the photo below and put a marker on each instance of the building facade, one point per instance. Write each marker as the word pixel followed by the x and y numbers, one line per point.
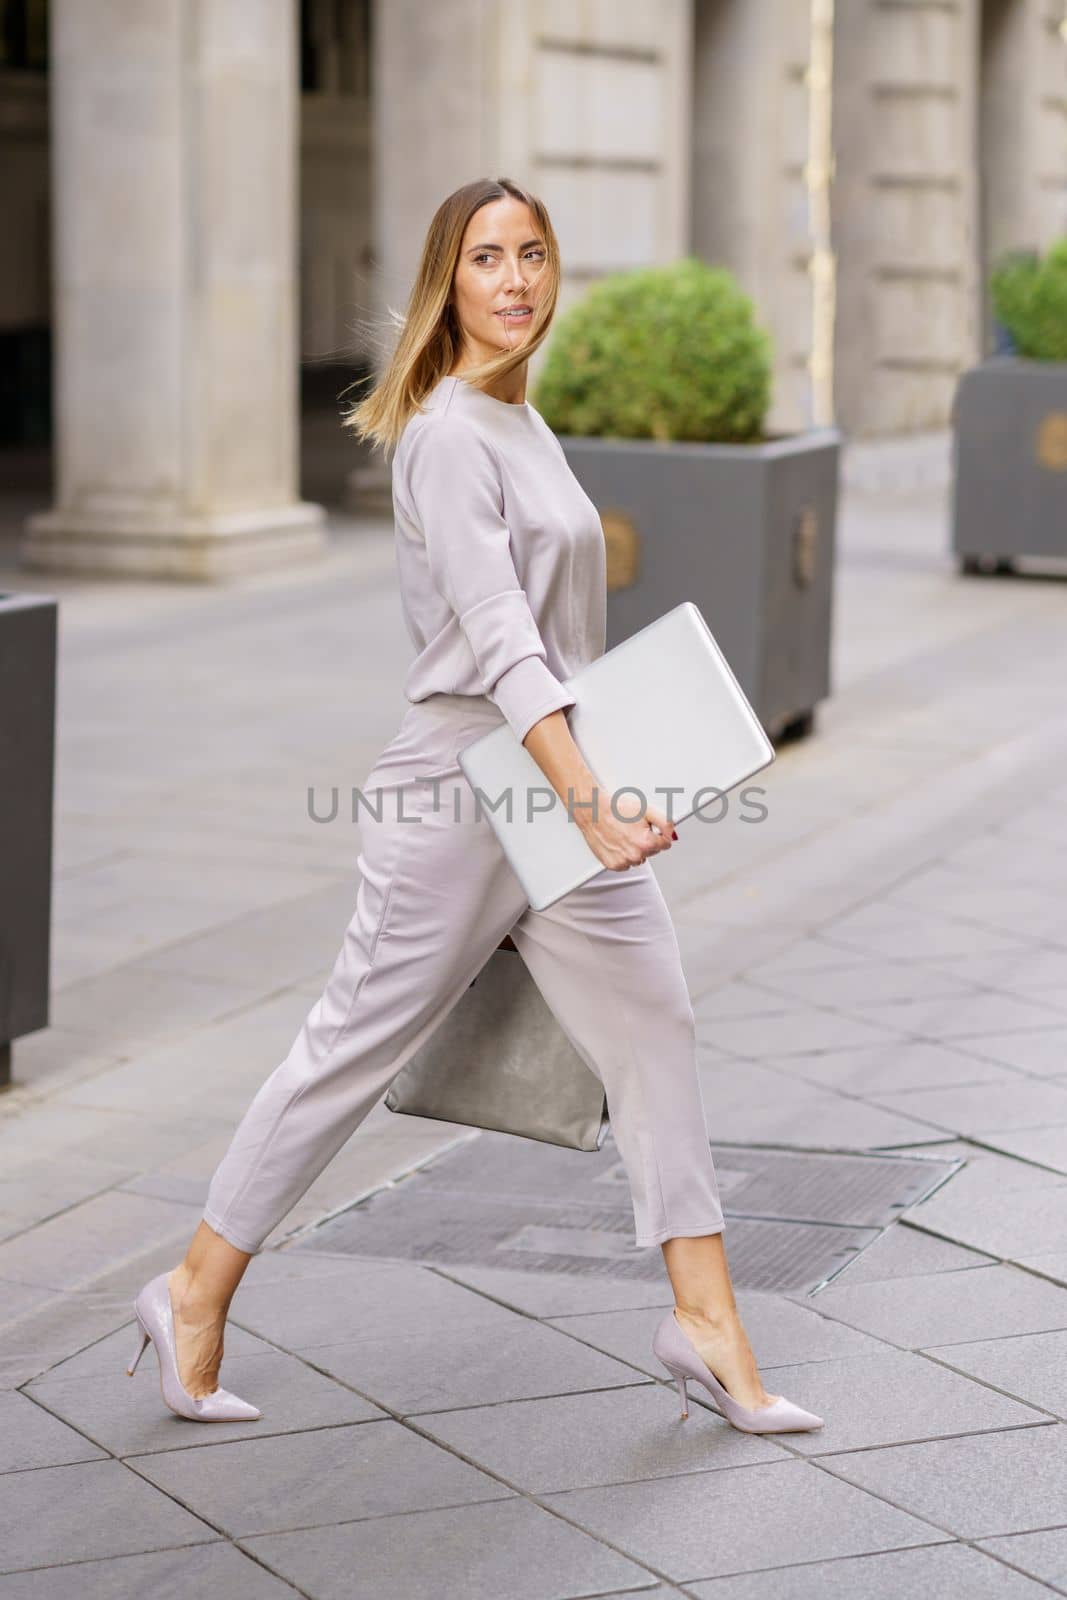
pixel 206 196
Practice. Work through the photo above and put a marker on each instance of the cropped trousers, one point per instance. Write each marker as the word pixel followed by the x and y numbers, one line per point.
pixel 436 897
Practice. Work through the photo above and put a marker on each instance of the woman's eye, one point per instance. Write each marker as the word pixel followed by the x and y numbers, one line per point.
pixel 485 256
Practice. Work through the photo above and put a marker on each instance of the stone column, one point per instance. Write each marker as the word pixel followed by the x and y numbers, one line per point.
pixel 1022 132
pixel 750 200
pixel 587 105
pixel 905 211
pixel 174 181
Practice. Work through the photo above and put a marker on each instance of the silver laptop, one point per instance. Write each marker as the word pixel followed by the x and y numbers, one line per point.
pixel 662 709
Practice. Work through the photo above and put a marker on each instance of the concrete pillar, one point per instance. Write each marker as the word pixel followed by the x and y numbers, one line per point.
pixel 1022 131
pixel 905 210
pixel 174 182
pixel 750 202
pixel 586 103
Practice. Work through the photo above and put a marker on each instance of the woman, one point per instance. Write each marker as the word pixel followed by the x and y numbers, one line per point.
pixel 501 562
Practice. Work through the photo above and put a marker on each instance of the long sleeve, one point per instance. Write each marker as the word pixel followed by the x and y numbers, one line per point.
pixel 456 491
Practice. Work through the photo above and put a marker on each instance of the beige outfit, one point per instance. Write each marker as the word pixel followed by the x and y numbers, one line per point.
pixel 501 562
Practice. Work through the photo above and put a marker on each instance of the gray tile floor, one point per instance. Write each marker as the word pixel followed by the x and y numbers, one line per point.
pixel 882 967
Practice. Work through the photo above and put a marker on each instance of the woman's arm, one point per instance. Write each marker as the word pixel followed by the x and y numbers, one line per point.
pixel 455 485
pixel 617 842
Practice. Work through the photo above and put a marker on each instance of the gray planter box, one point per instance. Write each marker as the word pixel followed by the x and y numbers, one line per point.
pixel 1010 462
pixel 746 532
pixel 27 770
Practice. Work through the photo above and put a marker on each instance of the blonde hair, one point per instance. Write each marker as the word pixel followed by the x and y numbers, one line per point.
pixel 430 336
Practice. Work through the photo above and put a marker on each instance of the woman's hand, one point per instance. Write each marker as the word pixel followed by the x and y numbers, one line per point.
pixel 617 841
pixel 622 842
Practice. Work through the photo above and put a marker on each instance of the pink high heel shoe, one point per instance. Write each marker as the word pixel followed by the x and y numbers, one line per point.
pixel 673 1346
pixel 156 1318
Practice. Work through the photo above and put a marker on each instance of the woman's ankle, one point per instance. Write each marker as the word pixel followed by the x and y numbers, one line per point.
pixel 190 1300
pixel 724 1321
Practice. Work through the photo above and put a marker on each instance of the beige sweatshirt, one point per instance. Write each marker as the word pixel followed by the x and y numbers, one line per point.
pixel 500 555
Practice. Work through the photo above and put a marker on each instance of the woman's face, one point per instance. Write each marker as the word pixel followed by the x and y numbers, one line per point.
pixel 499 267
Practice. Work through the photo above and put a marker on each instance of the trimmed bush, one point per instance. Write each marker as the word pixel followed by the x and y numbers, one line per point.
pixel 662 353
pixel 1030 300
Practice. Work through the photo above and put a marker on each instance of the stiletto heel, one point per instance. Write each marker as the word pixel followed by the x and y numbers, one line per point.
pixel 673 1347
pixel 141 1348
pixel 156 1318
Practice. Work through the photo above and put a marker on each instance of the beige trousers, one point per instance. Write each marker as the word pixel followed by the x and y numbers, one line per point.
pixel 436 897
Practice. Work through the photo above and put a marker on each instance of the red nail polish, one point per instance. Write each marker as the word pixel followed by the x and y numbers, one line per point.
pixel 674 833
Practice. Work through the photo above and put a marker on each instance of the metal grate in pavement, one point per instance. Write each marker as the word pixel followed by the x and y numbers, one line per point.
pixel 795 1218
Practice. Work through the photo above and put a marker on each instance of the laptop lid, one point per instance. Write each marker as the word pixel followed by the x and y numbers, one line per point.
pixel 660 719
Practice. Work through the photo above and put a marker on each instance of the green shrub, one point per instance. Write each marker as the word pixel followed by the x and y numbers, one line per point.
pixel 663 353
pixel 1030 299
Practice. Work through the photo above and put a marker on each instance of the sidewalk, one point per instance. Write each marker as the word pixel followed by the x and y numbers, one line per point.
pixel 878 967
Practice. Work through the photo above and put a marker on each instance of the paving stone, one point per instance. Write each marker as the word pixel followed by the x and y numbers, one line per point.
pixel 986 1173
pixel 264 949
pixel 76 1513
pixel 137 1002
pixel 292 1266
pixel 139 875
pixel 963 1016
pixel 941 1572
pixel 124 1277
pixel 740 998
pixel 106 1356
pixel 59 1055
pixel 1010 908
pixel 1041 1051
pixel 476 1552
pixel 862 983
pixel 558 1294
pixel 796 1114
pixel 56 1328
pixel 1019 1222
pixel 941 885
pixel 797 1031
pixel 575 1441
pixel 77 1246
pixel 130 1418
pixel 909 1064
pixel 1044 1555
pixel 431 1367
pixel 780 1330
pixel 930 937
pixel 810 954
pixel 661 1592
pixel 32 1190
pixel 204 1569
pixel 904 1252
pixel 1022 1103
pixel 1045 1146
pixel 1009 860
pixel 32 1437
pixel 230 1059
pixel 949 1308
pixel 363 1299
pixel 44 1130
pixel 890 1399
pixel 1052 1266
pixel 304 1480
pixel 1032 1367
pixel 748 1517
pixel 976 1487
pixel 18 1300
pixel 1032 969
